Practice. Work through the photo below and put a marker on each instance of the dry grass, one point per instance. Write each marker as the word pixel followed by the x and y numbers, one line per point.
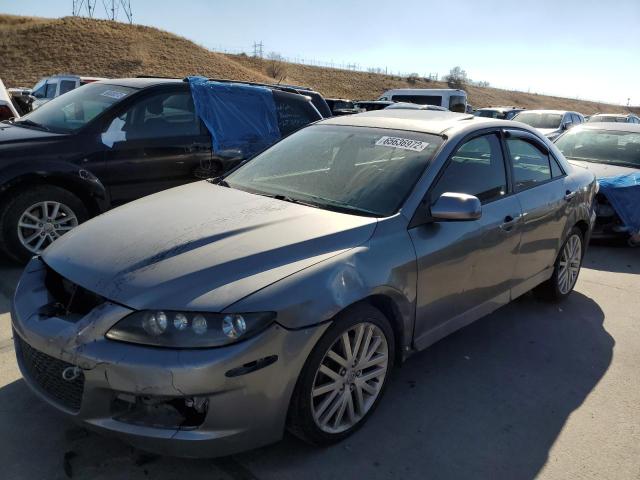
pixel 31 48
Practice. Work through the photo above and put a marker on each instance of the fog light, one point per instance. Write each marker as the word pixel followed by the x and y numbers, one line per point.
pixel 199 324
pixel 233 326
pixel 155 323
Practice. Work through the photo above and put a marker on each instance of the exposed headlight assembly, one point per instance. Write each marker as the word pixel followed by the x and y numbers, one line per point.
pixel 173 329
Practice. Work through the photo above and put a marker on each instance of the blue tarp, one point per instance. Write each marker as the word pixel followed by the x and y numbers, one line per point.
pixel 623 193
pixel 242 118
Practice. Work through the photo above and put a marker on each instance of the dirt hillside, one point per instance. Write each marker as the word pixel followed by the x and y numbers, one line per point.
pixel 34 47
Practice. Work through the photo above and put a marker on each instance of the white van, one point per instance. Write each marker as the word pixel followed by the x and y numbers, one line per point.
pixel 452 99
pixel 54 86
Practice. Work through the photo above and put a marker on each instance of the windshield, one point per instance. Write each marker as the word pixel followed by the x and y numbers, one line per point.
pixel 602 146
pixel 608 118
pixel 539 120
pixel 73 110
pixel 365 171
pixel 488 113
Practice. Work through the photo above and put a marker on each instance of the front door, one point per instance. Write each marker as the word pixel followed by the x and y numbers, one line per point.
pixel 157 143
pixel 465 269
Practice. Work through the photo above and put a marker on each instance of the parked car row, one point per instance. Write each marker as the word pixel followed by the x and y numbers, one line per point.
pixel 105 144
pixel 208 318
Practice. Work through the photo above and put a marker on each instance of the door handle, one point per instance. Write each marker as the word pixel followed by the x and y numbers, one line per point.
pixel 569 195
pixel 509 222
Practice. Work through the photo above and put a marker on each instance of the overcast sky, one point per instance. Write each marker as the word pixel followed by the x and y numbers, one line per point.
pixel 577 48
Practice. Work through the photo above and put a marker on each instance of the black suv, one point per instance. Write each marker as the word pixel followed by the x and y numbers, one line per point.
pixel 105 144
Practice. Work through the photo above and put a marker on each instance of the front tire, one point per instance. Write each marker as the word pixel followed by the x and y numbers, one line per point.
pixel 566 269
pixel 37 216
pixel 344 377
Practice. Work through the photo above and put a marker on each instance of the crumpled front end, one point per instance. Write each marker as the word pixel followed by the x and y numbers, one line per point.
pixel 190 402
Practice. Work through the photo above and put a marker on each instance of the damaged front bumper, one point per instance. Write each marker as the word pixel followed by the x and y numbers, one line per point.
pixel 192 402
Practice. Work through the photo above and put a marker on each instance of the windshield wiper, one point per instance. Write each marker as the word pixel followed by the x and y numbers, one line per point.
pixel 218 181
pixel 30 123
pixel 286 198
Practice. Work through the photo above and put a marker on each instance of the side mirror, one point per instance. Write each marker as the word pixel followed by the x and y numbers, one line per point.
pixel 456 207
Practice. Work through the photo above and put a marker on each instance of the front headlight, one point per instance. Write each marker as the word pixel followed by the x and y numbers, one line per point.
pixel 172 329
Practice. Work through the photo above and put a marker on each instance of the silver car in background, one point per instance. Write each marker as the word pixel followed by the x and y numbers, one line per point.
pixel 206 319
pixel 551 123
pixel 606 149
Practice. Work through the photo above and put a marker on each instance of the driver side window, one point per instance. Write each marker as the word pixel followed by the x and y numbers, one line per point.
pixel 476 168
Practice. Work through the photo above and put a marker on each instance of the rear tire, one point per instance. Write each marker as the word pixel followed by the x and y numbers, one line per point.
pixel 566 269
pixel 50 210
pixel 350 381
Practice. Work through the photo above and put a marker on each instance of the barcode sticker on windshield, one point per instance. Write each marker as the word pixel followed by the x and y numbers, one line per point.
pixel 404 143
pixel 113 94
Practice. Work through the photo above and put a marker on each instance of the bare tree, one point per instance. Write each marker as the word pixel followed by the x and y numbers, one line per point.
pixel 276 67
pixel 457 78
pixel 412 78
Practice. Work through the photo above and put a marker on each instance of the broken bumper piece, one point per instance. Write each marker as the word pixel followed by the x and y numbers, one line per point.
pixel 191 403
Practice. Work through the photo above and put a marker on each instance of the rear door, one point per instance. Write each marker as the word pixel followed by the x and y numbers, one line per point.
pixel 465 269
pixel 539 183
pixel 156 143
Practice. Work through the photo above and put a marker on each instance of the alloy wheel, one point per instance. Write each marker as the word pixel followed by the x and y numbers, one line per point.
pixel 349 378
pixel 569 265
pixel 42 223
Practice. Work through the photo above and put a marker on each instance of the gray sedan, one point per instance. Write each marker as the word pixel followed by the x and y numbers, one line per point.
pixel 206 319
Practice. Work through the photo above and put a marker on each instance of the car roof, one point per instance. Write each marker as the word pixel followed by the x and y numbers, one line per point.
pixel 621 115
pixel 425 121
pixel 551 111
pixel 501 109
pixel 142 82
pixel 377 102
pixel 611 126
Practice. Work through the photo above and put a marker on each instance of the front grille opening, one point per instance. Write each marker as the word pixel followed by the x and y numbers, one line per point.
pixel 47 372
pixel 184 413
pixel 69 298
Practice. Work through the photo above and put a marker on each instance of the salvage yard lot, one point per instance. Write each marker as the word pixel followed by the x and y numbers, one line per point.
pixel 535 390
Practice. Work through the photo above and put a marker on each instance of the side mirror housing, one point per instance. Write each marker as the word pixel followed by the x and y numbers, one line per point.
pixel 456 207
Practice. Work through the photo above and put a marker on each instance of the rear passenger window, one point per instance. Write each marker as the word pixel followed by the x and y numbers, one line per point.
pixel 476 168
pixel 530 164
pixel 50 92
pixel 293 114
pixel 67 86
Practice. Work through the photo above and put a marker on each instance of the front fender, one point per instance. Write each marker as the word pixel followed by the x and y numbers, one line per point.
pixel 74 178
pixel 385 268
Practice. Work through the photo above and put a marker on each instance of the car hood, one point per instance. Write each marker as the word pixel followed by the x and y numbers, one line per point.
pixel 12 134
pixel 200 247
pixel 601 170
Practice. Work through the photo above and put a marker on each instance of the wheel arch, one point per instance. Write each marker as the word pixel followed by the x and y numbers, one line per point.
pixel 93 196
pixel 387 305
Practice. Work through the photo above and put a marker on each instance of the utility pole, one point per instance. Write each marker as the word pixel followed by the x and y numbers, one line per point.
pixel 257 49
pixel 89 7
pixel 111 8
